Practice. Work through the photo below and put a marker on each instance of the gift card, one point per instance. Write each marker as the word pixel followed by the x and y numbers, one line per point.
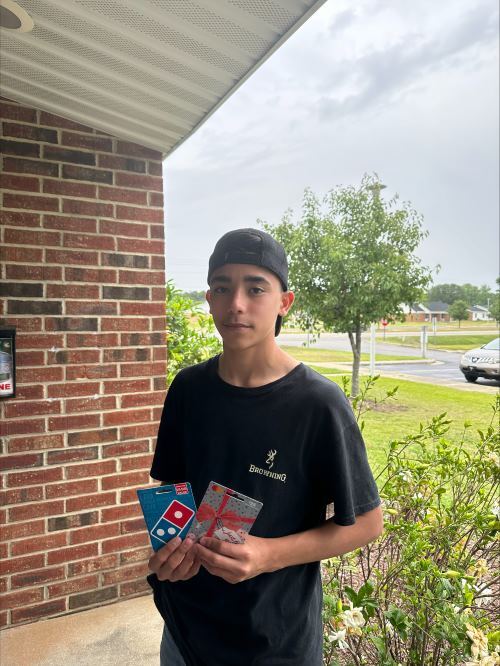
pixel 224 514
pixel 168 512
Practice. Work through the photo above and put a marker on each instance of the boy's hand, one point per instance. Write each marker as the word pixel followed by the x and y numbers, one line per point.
pixel 175 561
pixel 234 562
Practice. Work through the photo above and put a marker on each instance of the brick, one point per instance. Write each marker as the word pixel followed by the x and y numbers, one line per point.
pixel 18 218
pixel 137 181
pixel 29 392
pixel 34 544
pixel 19 530
pixel 19 148
pixel 144 309
pixel 121 512
pixel 141 369
pixel 119 229
pixel 37 577
pixel 21 495
pixel 36 443
pixel 136 150
pixel 15 112
pixel 92 469
pixel 125 573
pixel 90 502
pixel 157 231
pixel 68 291
pixel 158 323
pixel 72 586
pixel 144 246
pixel 22 254
pixel 88 566
pixel 139 339
pixel 125 449
pixel 125 324
pixel 139 400
pixel 143 214
pixel 44 341
pixel 66 223
pixel 137 462
pixel 36 167
pixel 95 533
pixel 87 174
pixel 141 277
pixel 73 356
pixel 39 273
pixel 25 183
pixel 22 598
pixel 57 121
pixel 71 455
pixel 21 289
pixel 21 461
pixel 91 142
pixel 155 168
pixel 66 155
pixel 125 260
pixel 90 405
pixel 90 275
pixel 128 354
pixel 160 354
pixel 156 199
pixel 93 598
pixel 92 436
pixel 124 480
pixel 126 293
pixel 15 565
pixel 91 308
pixel 34 307
pixel 72 553
pixel 125 417
pixel 84 190
pixel 127 386
pixel 74 422
pixel 138 431
pixel 31 478
pixel 89 242
pixel 131 526
pixel 55 490
pixel 137 555
pixel 27 375
pixel 134 588
pixel 70 257
pixel 29 132
pixel 89 208
pixel 72 389
pixel 91 372
pixel 67 522
pixel 14 409
pixel 121 163
pixel 30 511
pixel 123 195
pixel 30 202
pixel 39 611
pixel 30 237
pixel 22 427
pixel 123 542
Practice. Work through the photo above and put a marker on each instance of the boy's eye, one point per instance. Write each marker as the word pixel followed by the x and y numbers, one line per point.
pixel 220 290
pixel 256 290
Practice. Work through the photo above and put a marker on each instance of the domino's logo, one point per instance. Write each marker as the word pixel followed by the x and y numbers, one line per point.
pixel 175 521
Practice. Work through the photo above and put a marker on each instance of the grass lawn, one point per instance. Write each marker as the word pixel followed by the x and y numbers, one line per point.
pixel 314 355
pixel 451 342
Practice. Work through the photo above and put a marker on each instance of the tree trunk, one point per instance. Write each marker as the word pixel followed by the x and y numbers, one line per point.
pixel 355 340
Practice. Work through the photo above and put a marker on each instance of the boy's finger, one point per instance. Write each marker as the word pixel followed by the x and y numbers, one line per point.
pixel 221 547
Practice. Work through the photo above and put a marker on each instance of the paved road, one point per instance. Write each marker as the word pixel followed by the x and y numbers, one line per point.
pixel 442 367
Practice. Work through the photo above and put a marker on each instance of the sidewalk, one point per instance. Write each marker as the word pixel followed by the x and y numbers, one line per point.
pixel 126 633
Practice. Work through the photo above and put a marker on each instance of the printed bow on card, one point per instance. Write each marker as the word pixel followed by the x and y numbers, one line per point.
pixel 230 518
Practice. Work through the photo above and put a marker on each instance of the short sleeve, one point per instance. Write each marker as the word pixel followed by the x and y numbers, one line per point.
pixel 348 481
pixel 168 460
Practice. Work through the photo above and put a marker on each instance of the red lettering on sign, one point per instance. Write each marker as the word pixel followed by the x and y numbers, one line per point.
pixel 5 387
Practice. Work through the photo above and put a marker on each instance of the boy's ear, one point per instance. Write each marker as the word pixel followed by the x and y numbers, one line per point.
pixel 208 297
pixel 287 299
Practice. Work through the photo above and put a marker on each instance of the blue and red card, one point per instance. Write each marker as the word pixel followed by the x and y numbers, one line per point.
pixel 168 511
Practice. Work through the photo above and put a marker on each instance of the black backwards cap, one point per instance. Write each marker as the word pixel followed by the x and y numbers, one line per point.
pixel 251 246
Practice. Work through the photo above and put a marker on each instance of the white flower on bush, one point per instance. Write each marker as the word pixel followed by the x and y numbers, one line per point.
pixel 405 475
pixel 353 619
pixel 494 458
pixel 495 509
pixel 479 647
pixel 486 592
pixel 339 636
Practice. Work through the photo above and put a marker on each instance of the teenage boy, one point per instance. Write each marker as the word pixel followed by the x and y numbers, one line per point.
pixel 256 420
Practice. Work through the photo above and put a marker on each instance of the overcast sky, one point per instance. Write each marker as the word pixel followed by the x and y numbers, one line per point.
pixel 408 90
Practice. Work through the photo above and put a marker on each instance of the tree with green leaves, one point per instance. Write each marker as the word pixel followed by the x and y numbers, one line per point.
pixel 458 311
pixel 449 293
pixel 495 304
pixel 191 334
pixel 352 260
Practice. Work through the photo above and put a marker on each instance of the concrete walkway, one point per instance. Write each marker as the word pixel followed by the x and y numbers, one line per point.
pixel 126 633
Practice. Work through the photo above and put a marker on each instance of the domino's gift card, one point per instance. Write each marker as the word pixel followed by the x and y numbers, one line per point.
pixel 168 512
pixel 224 514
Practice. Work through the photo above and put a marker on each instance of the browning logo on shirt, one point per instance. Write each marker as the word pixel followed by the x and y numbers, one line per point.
pixel 267 472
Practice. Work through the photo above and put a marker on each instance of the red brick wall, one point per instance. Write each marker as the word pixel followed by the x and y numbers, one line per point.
pixel 83 283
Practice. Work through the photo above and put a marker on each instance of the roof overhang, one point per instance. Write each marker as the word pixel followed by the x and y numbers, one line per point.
pixel 148 71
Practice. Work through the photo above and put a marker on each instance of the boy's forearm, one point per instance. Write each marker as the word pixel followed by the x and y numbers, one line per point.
pixel 325 541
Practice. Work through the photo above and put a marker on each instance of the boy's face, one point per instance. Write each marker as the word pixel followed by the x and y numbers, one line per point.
pixel 245 301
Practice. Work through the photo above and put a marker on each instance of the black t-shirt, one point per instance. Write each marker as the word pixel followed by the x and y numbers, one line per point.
pixel 292 444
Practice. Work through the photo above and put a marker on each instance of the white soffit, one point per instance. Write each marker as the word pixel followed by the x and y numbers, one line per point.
pixel 148 71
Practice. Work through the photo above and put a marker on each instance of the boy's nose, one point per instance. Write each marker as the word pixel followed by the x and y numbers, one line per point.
pixel 236 303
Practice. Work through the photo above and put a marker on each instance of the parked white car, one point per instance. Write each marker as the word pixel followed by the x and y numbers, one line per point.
pixel 482 362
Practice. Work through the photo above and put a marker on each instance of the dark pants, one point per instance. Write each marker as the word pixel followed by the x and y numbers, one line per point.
pixel 169 653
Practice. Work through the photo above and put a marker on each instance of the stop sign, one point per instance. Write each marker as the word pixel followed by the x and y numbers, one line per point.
pixel 384 322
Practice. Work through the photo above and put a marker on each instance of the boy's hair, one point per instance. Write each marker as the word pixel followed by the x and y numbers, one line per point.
pixel 251 246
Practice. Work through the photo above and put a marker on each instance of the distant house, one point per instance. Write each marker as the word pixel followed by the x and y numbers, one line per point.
pixel 479 313
pixel 436 310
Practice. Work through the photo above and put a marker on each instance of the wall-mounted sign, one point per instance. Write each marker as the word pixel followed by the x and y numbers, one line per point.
pixel 7 363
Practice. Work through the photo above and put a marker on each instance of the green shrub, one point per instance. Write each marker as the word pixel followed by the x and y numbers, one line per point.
pixel 423 593
pixel 190 333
